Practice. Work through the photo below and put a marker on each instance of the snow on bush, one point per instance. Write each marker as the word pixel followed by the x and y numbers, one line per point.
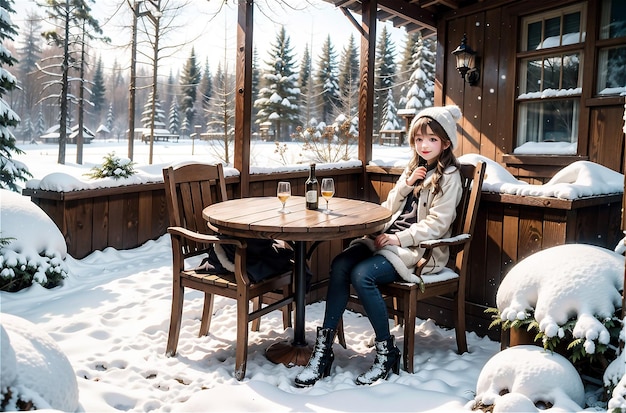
pixel 34 250
pixel 557 288
pixel 528 379
pixel 35 374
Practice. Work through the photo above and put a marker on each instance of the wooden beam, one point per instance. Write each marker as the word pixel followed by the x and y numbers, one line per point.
pixel 410 12
pixel 243 97
pixel 366 85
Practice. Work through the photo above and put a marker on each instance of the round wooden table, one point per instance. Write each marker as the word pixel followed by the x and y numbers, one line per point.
pixel 259 218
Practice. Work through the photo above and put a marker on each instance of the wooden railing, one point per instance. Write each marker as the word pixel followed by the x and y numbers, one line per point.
pixel 509 227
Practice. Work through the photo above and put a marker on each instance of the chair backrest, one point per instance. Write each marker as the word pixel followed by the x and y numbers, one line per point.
pixel 189 189
pixel 467 212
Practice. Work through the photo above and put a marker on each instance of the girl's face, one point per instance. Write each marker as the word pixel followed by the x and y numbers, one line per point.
pixel 429 146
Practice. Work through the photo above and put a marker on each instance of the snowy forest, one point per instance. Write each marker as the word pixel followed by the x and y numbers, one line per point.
pixel 293 90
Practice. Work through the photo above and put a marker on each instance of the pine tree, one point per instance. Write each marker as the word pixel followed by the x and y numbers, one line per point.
pixel 406 65
pixel 222 114
pixel 189 84
pixel 110 116
pixel 29 53
pixel 206 89
pixel 389 120
pixel 327 83
pixel 10 170
pixel 385 70
pixel 159 114
pixel 421 91
pixel 174 118
pixel 278 97
pixel 170 92
pixel 349 72
pixel 98 92
pixel 40 127
pixel 307 101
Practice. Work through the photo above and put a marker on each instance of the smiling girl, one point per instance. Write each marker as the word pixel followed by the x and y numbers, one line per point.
pixel 423 204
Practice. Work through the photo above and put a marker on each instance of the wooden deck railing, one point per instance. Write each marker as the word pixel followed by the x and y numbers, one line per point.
pixel 509 227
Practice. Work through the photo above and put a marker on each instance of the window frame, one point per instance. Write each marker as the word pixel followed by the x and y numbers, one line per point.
pixel 562 49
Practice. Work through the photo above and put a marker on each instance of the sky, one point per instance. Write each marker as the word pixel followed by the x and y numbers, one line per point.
pixel 209 26
pixel 97 343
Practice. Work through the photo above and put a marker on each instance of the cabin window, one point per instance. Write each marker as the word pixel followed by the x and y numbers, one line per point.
pixel 612 51
pixel 550 81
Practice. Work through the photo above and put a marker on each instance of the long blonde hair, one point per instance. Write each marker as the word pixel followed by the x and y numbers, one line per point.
pixel 446 157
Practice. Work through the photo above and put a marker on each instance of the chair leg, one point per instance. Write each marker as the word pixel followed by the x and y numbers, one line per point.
pixel 410 313
pixel 207 315
pixel 257 302
pixel 459 323
pixel 241 351
pixel 396 317
pixel 287 310
pixel 178 294
pixel 340 334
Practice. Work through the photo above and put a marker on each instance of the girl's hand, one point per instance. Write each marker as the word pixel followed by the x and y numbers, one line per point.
pixel 418 174
pixel 386 239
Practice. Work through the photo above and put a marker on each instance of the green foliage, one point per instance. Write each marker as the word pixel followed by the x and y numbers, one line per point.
pixel 113 167
pixel 18 271
pixel 10 170
pixel 565 343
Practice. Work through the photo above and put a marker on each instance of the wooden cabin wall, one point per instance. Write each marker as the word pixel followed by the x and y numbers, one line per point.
pixel 488 126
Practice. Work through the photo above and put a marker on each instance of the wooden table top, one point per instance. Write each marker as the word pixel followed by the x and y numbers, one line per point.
pixel 258 217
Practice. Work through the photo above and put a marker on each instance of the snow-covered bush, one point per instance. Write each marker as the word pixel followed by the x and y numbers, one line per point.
pixel 33 249
pixel 19 271
pixel 554 295
pixel 528 379
pixel 114 167
pixel 34 373
pixel 328 143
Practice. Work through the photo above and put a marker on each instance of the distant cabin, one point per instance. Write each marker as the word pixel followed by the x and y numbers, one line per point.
pixel 103 132
pixel 52 135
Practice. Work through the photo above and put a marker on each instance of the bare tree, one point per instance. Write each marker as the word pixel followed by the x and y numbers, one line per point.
pixel 74 19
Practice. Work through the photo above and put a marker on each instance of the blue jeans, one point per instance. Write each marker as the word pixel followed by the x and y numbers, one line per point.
pixel 359 267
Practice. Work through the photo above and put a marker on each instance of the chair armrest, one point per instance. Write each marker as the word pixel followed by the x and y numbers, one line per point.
pixel 458 240
pixel 203 238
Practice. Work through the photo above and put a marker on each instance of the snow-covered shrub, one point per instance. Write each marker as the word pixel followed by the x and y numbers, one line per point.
pixel 528 379
pixel 19 271
pixel 328 143
pixel 555 294
pixel 34 373
pixel 32 249
pixel 114 167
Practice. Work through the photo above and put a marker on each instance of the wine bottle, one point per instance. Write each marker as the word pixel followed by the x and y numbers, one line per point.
pixel 311 189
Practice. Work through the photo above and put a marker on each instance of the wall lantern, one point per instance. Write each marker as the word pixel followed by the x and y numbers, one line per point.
pixel 466 62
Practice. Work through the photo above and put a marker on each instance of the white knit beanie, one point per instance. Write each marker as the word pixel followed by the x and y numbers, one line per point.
pixel 446 116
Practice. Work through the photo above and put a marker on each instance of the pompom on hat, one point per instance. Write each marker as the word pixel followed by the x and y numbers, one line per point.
pixel 446 116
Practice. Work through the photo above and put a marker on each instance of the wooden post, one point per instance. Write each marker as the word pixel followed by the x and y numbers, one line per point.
pixel 366 85
pixel 243 97
pixel 624 222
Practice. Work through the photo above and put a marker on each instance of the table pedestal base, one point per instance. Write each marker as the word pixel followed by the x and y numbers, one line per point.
pixel 288 354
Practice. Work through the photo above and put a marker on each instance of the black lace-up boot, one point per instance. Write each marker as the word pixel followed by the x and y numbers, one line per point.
pixel 321 359
pixel 387 360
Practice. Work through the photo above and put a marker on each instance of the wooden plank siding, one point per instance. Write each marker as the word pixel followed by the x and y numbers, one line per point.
pixel 509 228
pixel 489 124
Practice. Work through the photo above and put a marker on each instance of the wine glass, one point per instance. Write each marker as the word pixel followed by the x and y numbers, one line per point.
pixel 283 193
pixel 328 190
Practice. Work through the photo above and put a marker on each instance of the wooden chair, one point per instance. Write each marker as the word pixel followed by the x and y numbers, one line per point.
pixel 404 296
pixel 189 189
